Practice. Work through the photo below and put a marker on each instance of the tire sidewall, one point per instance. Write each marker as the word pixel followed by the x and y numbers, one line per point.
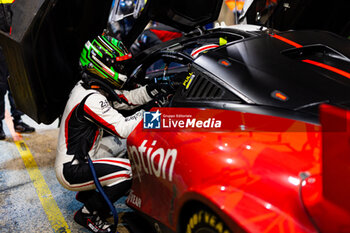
pixel 204 220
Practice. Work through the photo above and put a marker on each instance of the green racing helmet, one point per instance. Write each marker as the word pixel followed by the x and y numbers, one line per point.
pixel 105 57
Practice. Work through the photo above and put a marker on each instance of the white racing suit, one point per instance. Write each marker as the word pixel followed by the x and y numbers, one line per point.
pixel 87 114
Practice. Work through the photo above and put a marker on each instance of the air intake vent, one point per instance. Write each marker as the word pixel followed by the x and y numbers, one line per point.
pixel 314 52
pixel 202 88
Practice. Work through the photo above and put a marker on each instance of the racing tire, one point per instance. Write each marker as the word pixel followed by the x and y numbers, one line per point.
pixel 205 221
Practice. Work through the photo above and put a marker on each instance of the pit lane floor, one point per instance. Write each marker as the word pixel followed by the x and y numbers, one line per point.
pixel 31 199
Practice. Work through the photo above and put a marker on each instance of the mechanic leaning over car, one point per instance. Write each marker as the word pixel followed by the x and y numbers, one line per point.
pixel 92 108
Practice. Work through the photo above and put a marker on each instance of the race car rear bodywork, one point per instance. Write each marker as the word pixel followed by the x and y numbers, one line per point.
pixel 264 175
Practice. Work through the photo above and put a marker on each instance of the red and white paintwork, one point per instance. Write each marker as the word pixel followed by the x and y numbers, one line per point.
pixel 249 177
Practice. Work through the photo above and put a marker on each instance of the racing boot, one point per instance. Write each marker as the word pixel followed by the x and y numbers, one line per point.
pixel 22 127
pixel 93 222
pixel 2 133
pixel 85 196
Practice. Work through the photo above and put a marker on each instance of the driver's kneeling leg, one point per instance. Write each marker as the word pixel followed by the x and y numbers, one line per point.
pixel 97 203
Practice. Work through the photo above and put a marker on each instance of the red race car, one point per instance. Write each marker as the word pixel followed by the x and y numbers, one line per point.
pixel 248 142
pixel 256 135
pixel 267 174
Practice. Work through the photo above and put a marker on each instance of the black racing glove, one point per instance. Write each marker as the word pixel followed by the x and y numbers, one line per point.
pixel 159 90
pixel 157 102
pixel 161 93
pixel 163 101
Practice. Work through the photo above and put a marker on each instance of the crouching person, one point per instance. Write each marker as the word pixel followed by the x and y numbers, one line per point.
pixel 89 111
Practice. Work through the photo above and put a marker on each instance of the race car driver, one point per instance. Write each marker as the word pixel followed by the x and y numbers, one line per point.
pixel 92 108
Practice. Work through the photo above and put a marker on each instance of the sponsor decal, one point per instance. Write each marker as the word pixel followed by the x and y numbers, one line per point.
pixel 105 107
pixel 134 199
pixel 203 217
pixel 105 111
pixel 149 159
pixel 134 117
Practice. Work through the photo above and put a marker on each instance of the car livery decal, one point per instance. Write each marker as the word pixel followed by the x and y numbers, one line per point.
pixel 158 162
pixel 281 38
pixel 328 67
pixel 134 199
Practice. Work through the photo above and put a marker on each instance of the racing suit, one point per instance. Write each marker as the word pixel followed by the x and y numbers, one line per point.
pixel 87 114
